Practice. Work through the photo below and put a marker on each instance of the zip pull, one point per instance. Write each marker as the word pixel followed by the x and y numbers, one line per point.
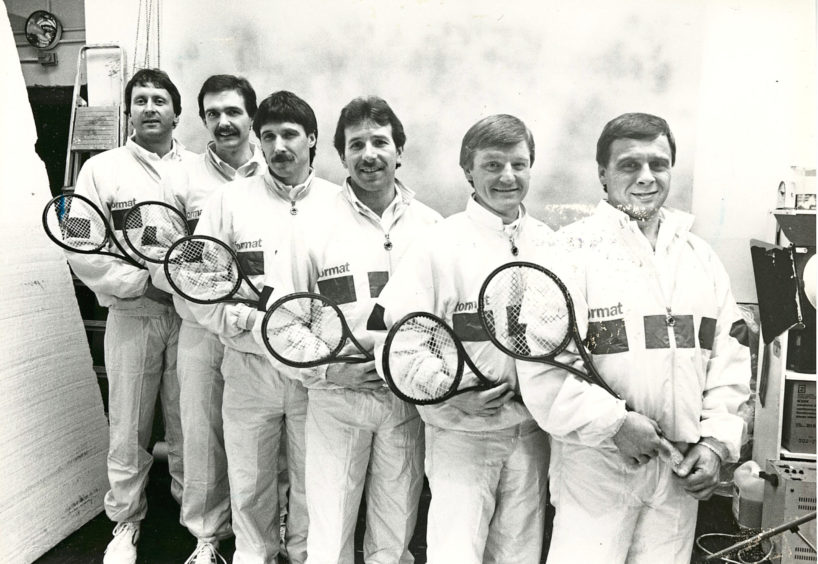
pixel 387 243
pixel 514 250
pixel 293 209
pixel 669 319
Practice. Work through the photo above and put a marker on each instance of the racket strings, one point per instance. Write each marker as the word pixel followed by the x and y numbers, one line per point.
pixel 423 359
pixel 203 270
pixel 304 330
pixel 152 229
pixel 526 311
pixel 78 225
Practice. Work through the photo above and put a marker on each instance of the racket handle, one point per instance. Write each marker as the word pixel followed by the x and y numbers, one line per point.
pixel 673 456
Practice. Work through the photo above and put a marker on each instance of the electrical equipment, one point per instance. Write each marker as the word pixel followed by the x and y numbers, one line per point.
pixel 789 493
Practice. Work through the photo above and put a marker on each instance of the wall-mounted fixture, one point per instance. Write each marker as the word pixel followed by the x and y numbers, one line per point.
pixel 43 30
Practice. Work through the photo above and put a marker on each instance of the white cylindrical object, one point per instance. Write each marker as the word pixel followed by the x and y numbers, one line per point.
pixel 748 495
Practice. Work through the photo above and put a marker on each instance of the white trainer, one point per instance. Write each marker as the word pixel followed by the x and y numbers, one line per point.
pixel 206 553
pixel 122 549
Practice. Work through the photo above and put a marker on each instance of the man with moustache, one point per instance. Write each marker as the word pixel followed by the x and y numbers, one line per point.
pixel 666 334
pixel 486 458
pixel 251 215
pixel 360 437
pixel 227 105
pixel 142 329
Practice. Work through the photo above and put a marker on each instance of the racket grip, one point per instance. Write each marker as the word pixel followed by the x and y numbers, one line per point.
pixel 673 456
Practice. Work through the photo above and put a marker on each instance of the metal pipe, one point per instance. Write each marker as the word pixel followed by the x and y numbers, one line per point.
pixel 789 526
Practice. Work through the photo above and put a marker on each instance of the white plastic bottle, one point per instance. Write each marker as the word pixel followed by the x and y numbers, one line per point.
pixel 748 495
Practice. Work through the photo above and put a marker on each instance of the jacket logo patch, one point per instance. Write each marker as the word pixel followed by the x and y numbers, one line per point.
pixel 656 336
pixel 191 224
pixel 245 245
pixel 118 217
pixel 334 271
pixel 468 328
pixel 607 337
pixel 341 290
pixel 683 332
pixel 604 312
pixel 377 280
pixel 251 262
pixel 707 333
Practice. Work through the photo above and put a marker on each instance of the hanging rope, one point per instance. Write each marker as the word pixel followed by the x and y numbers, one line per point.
pixel 147 34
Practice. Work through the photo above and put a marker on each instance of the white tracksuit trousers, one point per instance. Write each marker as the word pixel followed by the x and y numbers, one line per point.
pixel 140 361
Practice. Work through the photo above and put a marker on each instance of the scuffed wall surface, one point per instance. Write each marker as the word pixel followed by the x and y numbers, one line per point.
pixel 564 69
pixel 735 79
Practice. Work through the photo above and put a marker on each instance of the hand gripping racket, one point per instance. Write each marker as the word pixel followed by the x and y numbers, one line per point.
pixel 303 330
pixel 529 315
pixel 150 228
pixel 204 270
pixel 75 223
pixel 423 361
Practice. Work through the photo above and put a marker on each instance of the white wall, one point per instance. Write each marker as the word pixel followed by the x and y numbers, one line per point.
pixel 708 67
pixel 756 118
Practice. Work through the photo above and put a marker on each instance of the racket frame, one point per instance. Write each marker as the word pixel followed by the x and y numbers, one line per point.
pixel 334 356
pixel 463 359
pixel 226 298
pixel 50 207
pixel 134 246
pixel 592 376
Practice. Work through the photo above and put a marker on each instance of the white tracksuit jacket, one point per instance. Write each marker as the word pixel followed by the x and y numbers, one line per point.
pixel 442 274
pixel 663 328
pixel 115 181
pixel 344 257
pixel 252 216
pixel 189 189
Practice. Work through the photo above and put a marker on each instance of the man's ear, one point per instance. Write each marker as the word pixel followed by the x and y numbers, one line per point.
pixel 311 140
pixel 397 160
pixel 603 177
pixel 469 178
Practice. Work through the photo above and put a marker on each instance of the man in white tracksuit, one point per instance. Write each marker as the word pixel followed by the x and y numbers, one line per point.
pixel 252 215
pixel 486 458
pixel 360 437
pixel 142 329
pixel 227 105
pixel 664 330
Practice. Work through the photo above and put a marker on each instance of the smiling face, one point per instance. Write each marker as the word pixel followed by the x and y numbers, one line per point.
pixel 152 115
pixel 227 121
pixel 286 148
pixel 500 176
pixel 371 156
pixel 637 176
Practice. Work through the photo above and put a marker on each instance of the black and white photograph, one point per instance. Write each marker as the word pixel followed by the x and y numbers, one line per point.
pixel 416 281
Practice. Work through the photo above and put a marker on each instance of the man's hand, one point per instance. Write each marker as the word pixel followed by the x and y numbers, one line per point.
pixel 356 376
pixel 639 439
pixel 483 403
pixel 699 471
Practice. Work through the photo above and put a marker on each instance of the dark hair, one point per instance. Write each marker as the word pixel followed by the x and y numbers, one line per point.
pixel 283 106
pixel 498 130
pixel 158 79
pixel 368 108
pixel 224 82
pixel 644 127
